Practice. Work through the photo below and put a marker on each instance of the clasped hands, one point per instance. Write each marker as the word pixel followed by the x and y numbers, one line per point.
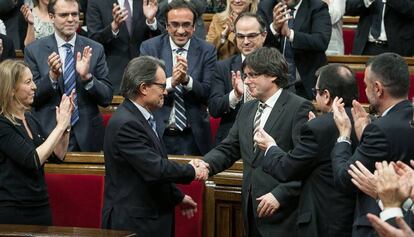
pixel 281 16
pixel 201 169
pixel 179 75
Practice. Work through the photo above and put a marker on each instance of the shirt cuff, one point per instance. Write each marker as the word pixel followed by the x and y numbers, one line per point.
pixel 152 26
pixel 189 85
pixel 88 85
pixel 368 3
pixel 292 35
pixel 272 29
pixel 169 85
pixel 269 148
pixel 233 100
pixel 115 34
pixel 391 213
pixel 54 83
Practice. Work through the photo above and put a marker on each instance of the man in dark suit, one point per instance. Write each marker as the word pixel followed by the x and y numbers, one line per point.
pixel 200 6
pixel 227 88
pixel 6 48
pixel 387 138
pixel 301 30
pixel 140 194
pixel 269 207
pixel 323 210
pixel 63 62
pixel 121 26
pixel 383 26
pixel 190 62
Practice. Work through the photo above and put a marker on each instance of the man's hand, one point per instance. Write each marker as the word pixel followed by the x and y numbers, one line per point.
pixel 237 84
pixel 363 179
pixel 268 205
pixel 1 47
pixel 361 118
pixel 83 63
pixel 390 190
pixel 201 169
pixel 281 16
pixel 342 121
pixel 263 139
pixel 27 13
pixel 386 230
pixel 311 116
pixel 179 75
pixel 150 8
pixel 188 207
pixel 55 66
pixel 119 15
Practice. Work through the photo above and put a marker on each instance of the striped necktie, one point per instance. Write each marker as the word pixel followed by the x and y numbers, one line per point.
pixel 69 81
pixel 256 122
pixel 180 111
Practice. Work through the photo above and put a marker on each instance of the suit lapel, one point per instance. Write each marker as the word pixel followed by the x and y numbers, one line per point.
pixel 250 114
pixel 137 12
pixel 300 15
pixel 51 46
pixel 166 55
pixel 192 55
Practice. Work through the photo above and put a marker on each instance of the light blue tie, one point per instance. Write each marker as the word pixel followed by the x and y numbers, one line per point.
pixel 153 124
pixel 180 117
pixel 69 81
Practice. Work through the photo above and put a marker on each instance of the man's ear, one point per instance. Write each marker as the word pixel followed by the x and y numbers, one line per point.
pixel 326 96
pixel 142 89
pixel 378 88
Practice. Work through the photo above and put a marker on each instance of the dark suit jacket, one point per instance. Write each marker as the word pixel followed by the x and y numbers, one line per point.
pixel 201 58
pixel 284 124
pixel 121 49
pixel 89 129
pixel 200 7
pixel 139 191
pixel 312 27
pixel 8 48
pixel 398 22
pixel 388 138
pixel 218 104
pixel 323 210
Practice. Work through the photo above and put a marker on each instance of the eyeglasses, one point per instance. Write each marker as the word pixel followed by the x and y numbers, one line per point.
pixel 250 36
pixel 161 85
pixel 251 75
pixel 315 91
pixel 176 25
pixel 67 14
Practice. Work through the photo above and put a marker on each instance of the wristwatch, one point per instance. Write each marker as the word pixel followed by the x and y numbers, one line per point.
pixel 344 139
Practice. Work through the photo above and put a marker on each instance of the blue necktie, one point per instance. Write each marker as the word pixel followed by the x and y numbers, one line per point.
pixel 69 81
pixel 288 52
pixel 153 124
pixel 180 117
pixel 377 19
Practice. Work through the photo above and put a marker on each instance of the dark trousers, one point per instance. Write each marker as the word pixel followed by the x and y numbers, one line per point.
pixel 253 231
pixel 180 142
pixel 375 48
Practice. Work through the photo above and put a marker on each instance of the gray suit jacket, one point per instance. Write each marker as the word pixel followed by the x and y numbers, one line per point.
pixel 89 129
pixel 284 124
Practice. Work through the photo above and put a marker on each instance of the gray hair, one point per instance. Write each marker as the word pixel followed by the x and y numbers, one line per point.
pixel 139 70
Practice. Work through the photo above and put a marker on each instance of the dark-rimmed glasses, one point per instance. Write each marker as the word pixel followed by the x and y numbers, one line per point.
pixel 176 25
pixel 67 14
pixel 251 75
pixel 315 91
pixel 250 36
pixel 161 85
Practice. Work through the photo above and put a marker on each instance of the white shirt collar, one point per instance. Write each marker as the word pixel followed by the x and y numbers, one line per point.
pixel 273 99
pixel 387 111
pixel 60 42
pixel 174 46
pixel 147 115
pixel 297 8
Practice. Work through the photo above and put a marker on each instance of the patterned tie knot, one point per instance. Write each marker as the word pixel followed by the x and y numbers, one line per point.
pixel 180 51
pixel 68 47
pixel 262 106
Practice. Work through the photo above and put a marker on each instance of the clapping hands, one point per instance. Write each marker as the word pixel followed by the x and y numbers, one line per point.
pixel 201 169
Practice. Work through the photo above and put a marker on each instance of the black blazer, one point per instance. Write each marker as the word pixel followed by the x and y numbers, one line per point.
pixel 8 48
pixel 387 138
pixel 121 49
pixel 221 86
pixel 312 27
pixel 89 129
pixel 140 194
pixel 284 123
pixel 324 211
pixel 201 58
pixel 398 22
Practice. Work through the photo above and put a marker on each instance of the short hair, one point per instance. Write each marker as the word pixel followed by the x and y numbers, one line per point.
pixel 340 81
pixel 52 3
pixel 252 15
pixel 139 70
pixel 11 72
pixel 179 4
pixel 392 71
pixel 268 61
pixel 254 5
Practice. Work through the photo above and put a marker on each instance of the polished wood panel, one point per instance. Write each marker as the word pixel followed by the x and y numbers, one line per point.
pixel 33 230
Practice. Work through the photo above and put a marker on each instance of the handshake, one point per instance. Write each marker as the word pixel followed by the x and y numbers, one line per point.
pixel 201 169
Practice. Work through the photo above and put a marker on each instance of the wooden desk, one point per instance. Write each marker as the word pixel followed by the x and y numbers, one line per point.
pixel 34 230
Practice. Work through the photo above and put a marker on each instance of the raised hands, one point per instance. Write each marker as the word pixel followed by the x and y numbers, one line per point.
pixel 263 139
pixel 386 230
pixel 201 169
pixel 361 118
pixel 237 83
pixel 188 207
pixel 27 13
pixel 150 8
pixel 267 206
pixel 342 121
pixel 364 179
pixel 119 15
pixel 83 62
pixel 281 16
pixel 55 66
pixel 179 75
pixel 64 111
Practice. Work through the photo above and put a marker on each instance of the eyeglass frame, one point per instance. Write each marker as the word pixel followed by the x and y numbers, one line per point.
pixel 250 36
pixel 163 86
pixel 253 75
pixel 185 25
pixel 66 15
pixel 315 91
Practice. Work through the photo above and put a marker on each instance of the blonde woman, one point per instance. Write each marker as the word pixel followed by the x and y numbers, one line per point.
pixel 220 33
pixel 24 149
pixel 38 21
